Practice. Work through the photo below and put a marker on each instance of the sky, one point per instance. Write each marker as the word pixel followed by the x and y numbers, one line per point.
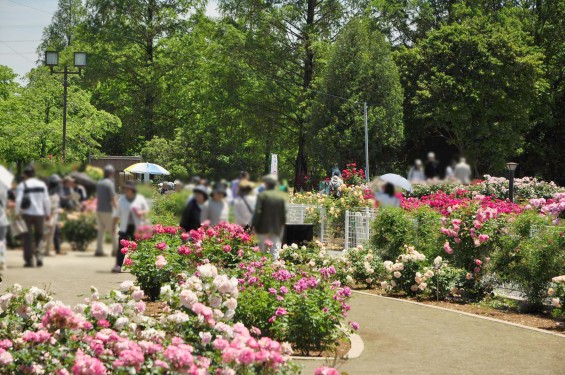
pixel 21 28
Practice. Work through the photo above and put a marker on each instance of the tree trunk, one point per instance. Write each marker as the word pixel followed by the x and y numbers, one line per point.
pixel 301 165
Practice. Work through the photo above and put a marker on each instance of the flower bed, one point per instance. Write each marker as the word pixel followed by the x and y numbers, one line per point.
pixel 289 302
pixel 40 335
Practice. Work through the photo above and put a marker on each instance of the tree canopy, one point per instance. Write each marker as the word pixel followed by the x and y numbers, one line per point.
pixel 211 96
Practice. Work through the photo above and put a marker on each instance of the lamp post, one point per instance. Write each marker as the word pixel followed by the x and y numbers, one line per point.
pixel 511 168
pixel 52 60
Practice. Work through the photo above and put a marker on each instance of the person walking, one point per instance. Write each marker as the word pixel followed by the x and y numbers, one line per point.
pixel 416 172
pixel 4 223
pixel 431 169
pixel 269 217
pixel 216 210
pixel 243 176
pixel 53 187
pixel 105 206
pixel 191 214
pixel 34 205
pixel 131 213
pixel 463 171
pixel 244 204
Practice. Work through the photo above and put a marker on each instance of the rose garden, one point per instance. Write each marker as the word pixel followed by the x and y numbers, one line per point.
pixel 209 301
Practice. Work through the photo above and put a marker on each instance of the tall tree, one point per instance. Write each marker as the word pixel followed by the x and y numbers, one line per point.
pixel 282 42
pixel 125 67
pixel 359 69
pixel 31 118
pixel 63 28
pixel 477 84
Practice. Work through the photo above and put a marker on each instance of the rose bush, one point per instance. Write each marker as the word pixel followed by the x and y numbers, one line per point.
pixel 117 335
pixel 557 295
pixel 307 309
pixel 163 256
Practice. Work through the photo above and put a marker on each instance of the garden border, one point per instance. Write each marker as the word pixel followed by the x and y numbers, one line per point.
pixel 464 313
pixel 357 347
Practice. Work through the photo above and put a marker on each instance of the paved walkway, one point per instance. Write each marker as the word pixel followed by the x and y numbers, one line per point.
pixel 400 338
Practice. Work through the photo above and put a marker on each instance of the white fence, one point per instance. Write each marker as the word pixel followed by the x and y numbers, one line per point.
pixel 358 226
pixel 308 214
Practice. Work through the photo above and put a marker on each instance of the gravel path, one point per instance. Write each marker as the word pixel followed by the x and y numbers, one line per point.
pixel 399 337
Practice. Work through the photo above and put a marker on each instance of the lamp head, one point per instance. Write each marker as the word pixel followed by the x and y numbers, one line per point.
pixel 80 59
pixel 511 166
pixel 51 58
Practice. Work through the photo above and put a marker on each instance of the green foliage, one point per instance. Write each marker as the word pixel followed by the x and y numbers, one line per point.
pixel 392 229
pixel 79 230
pixel 489 74
pixel 359 69
pixel 531 261
pixel 167 208
pixel 32 121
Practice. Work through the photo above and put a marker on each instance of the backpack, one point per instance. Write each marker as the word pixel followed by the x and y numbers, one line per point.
pixel 334 189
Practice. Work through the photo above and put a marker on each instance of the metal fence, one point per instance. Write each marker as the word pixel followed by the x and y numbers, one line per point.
pixel 308 214
pixel 358 226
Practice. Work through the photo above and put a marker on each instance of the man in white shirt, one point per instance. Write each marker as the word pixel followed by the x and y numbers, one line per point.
pixel 34 205
pixel 463 172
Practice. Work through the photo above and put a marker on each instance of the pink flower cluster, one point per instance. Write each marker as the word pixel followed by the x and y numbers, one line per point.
pixel 553 207
pixel 324 370
pixel 244 350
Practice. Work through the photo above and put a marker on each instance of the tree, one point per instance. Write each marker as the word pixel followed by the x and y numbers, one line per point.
pixel 359 69
pixel 477 84
pixel 125 39
pixel 7 84
pixel 282 38
pixel 31 118
pixel 63 29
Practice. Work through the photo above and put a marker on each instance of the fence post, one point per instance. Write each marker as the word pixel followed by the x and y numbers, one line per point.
pixel 322 223
pixel 367 224
pixel 346 243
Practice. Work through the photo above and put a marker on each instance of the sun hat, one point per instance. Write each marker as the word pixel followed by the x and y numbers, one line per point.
pixel 54 179
pixel 201 189
pixel 220 189
pixel 131 186
pixel 270 179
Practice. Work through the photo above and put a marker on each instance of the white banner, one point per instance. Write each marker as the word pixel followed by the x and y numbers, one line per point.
pixel 274 164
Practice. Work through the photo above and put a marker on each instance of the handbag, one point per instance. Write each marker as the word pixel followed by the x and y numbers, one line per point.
pixel 26 200
pixel 18 227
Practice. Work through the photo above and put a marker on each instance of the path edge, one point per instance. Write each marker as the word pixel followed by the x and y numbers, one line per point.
pixel 464 313
pixel 357 347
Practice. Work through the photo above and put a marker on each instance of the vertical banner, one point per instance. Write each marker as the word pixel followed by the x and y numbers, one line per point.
pixel 275 164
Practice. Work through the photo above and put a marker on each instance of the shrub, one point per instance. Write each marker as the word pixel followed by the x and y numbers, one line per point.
pixel 557 295
pixel 392 228
pixel 408 274
pixel 303 308
pixel 167 208
pixel 362 267
pixel 118 335
pixel 79 230
pixel 533 261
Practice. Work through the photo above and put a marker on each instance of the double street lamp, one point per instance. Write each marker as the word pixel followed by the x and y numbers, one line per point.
pixel 511 168
pixel 52 60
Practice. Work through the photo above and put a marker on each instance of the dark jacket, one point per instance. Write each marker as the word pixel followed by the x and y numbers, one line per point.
pixel 270 213
pixel 191 216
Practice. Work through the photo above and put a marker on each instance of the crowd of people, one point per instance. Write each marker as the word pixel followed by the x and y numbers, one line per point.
pixel 430 171
pixel 31 210
pixel 34 206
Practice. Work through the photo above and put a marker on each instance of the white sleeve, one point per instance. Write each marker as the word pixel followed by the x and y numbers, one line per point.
pixel 19 197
